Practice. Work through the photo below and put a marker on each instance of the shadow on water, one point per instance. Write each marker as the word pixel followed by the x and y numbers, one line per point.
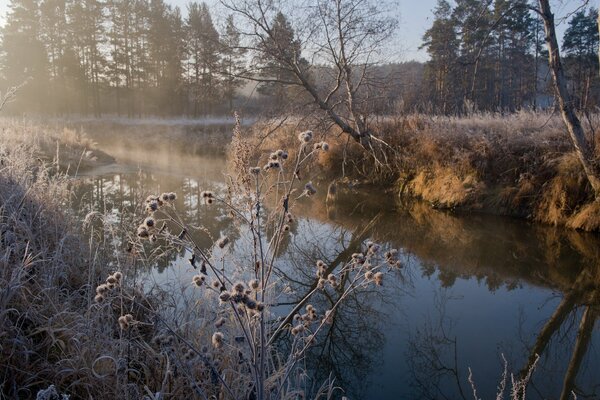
pixel 472 288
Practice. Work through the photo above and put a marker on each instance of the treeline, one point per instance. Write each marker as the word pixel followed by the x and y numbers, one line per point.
pixel 128 57
pixel 490 55
pixel 145 57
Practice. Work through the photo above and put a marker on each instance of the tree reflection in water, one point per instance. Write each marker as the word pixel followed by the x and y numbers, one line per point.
pixel 500 253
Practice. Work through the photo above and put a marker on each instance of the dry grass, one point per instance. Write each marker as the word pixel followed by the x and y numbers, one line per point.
pixel 519 165
pixel 70 148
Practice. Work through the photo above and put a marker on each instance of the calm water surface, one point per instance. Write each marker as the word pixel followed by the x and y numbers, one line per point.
pixel 473 289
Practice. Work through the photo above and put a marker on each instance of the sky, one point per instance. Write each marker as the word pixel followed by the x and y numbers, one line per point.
pixel 415 17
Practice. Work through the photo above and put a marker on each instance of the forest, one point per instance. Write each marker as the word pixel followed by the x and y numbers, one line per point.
pixel 148 58
pixel 269 200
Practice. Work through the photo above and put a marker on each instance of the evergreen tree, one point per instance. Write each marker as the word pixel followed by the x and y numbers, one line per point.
pixel 232 61
pixel 580 45
pixel 281 44
pixel 23 56
pixel 442 46
pixel 203 52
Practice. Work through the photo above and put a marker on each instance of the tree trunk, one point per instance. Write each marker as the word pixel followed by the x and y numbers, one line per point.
pixel 582 147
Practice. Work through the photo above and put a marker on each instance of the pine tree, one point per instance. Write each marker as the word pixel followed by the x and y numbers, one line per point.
pixel 23 56
pixel 580 45
pixel 281 44
pixel 232 61
pixel 442 46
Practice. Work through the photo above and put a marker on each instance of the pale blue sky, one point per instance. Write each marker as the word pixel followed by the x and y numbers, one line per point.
pixel 414 16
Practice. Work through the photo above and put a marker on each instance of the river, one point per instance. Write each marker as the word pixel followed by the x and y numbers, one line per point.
pixel 472 289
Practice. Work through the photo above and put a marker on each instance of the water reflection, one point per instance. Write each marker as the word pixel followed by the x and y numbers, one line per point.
pixel 471 287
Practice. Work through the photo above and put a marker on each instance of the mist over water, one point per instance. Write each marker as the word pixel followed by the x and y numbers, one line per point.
pixel 472 289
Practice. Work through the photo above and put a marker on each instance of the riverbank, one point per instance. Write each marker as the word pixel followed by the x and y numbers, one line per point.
pixel 71 149
pixel 520 165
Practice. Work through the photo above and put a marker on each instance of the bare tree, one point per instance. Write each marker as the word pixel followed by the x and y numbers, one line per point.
pixel 583 147
pixel 338 42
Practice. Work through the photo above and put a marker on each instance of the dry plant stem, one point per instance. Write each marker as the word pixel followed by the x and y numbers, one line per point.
pixel 295 357
pixel 190 346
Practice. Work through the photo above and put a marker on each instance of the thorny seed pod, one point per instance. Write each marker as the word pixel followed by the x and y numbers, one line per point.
pixel 99 298
pixel 274 165
pixel 305 136
pixel 101 289
pixel 111 280
pixel 324 146
pixel 378 278
pixel 251 304
pixel 128 317
pixel 118 276
pixel 260 307
pixel 123 323
pixel 255 170
pixel 297 317
pixel 273 156
pixel 164 197
pixel 280 153
pixel 224 296
pixel 239 287
pixel 216 284
pixel 152 206
pixel 142 232
pixel 149 222
pixel 285 228
pixel 254 284
pixel 223 242
pixel 369 275
pixel 172 196
pixel 321 283
pixel 198 280
pixel 289 218
pixel 217 340
pixel 358 258
pixel 207 194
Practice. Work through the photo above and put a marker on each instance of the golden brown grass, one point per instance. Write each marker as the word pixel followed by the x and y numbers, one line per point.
pixel 519 165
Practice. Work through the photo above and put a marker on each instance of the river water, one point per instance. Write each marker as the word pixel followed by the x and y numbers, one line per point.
pixel 473 290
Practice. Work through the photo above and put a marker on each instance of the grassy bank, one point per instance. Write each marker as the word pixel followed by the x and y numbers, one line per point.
pixel 519 165
pixel 69 148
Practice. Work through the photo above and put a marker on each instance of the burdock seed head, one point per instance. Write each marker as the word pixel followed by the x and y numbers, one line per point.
pixel 142 232
pixel 224 296
pixel 118 275
pixel 239 287
pixel 123 322
pixel 149 222
pixel 255 170
pixel 99 298
pixel 378 278
pixel 253 284
pixel 198 280
pixel 217 340
pixel 305 136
